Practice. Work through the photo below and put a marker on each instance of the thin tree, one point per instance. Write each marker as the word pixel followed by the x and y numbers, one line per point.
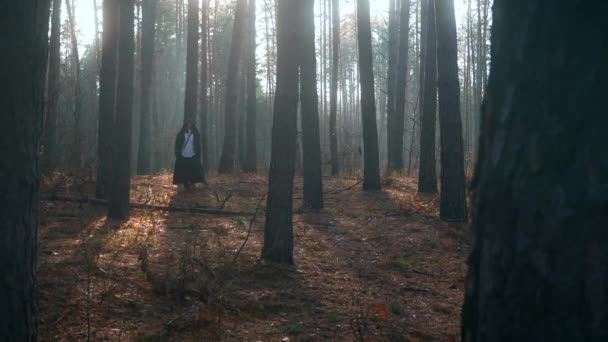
pixel 52 105
pixel 23 59
pixel 203 98
pixel 537 271
pixel 251 156
pixel 278 230
pixel 371 167
pixel 333 101
pixel 427 174
pixel 191 97
pixel 144 161
pixel 121 145
pixel 452 206
pixel 230 126
pixel 309 100
pixel 396 126
pixel 107 96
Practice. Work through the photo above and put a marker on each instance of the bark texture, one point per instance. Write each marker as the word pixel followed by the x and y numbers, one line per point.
pixel 191 96
pixel 251 149
pixel 52 97
pixel 333 100
pixel 23 42
pixel 537 271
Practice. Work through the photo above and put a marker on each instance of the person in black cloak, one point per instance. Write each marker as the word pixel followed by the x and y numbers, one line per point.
pixel 188 169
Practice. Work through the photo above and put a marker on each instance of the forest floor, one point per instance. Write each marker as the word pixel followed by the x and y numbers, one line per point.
pixel 374 266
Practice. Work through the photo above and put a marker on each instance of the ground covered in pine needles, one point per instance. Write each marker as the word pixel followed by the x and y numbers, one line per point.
pixel 370 267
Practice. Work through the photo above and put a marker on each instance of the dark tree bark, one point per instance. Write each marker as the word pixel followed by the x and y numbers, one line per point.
pixel 311 145
pixel 371 167
pixel 23 33
pixel 452 205
pixel 396 126
pixel 427 173
pixel 251 156
pixel 333 101
pixel 391 82
pixel 107 96
pixel 278 230
pixel 119 198
pixel 144 161
pixel 537 271
pixel 52 105
pixel 191 96
pixel 230 126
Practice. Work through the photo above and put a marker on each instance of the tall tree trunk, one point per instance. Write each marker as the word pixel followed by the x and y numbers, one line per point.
pixel 203 99
pixel 230 127
pixel 107 96
pixel 396 127
pixel 77 144
pixel 537 271
pixel 391 82
pixel 311 145
pixel 333 106
pixel 278 230
pixel 191 99
pixel 371 167
pixel 144 164
pixel 52 106
pixel 23 59
pixel 251 158
pixel 121 149
pixel 453 196
pixel 96 23
pixel 427 173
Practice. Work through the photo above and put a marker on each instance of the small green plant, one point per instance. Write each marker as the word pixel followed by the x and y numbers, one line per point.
pixel 396 308
pixel 335 317
pixel 240 220
pixel 295 329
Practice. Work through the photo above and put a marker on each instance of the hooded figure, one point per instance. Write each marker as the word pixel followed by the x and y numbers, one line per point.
pixel 188 168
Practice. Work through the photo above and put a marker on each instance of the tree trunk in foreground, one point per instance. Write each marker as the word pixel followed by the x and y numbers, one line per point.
pixel 107 97
pixel 452 206
pixel 232 87
pixel 203 99
pixel 427 173
pixel 119 198
pixel 539 265
pixel 278 230
pixel 309 100
pixel 371 167
pixel 23 33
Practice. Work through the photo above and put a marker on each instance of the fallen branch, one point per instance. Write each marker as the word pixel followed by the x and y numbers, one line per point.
pixel 346 189
pixel 193 210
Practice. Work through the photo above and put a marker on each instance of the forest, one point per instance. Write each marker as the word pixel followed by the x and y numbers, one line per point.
pixel 303 170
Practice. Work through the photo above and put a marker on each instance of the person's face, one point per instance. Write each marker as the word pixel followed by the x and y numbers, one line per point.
pixel 188 124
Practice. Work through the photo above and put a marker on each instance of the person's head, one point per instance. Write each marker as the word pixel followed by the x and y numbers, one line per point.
pixel 188 124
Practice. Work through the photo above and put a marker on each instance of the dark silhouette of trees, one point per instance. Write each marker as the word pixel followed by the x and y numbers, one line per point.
pixel 537 271
pixel 427 174
pixel 453 196
pixel 23 59
pixel 371 165
pixel 144 161
pixel 203 98
pixel 107 96
pixel 230 131
pixel 333 100
pixel 121 143
pixel 391 81
pixel 251 158
pixel 191 97
pixel 278 230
